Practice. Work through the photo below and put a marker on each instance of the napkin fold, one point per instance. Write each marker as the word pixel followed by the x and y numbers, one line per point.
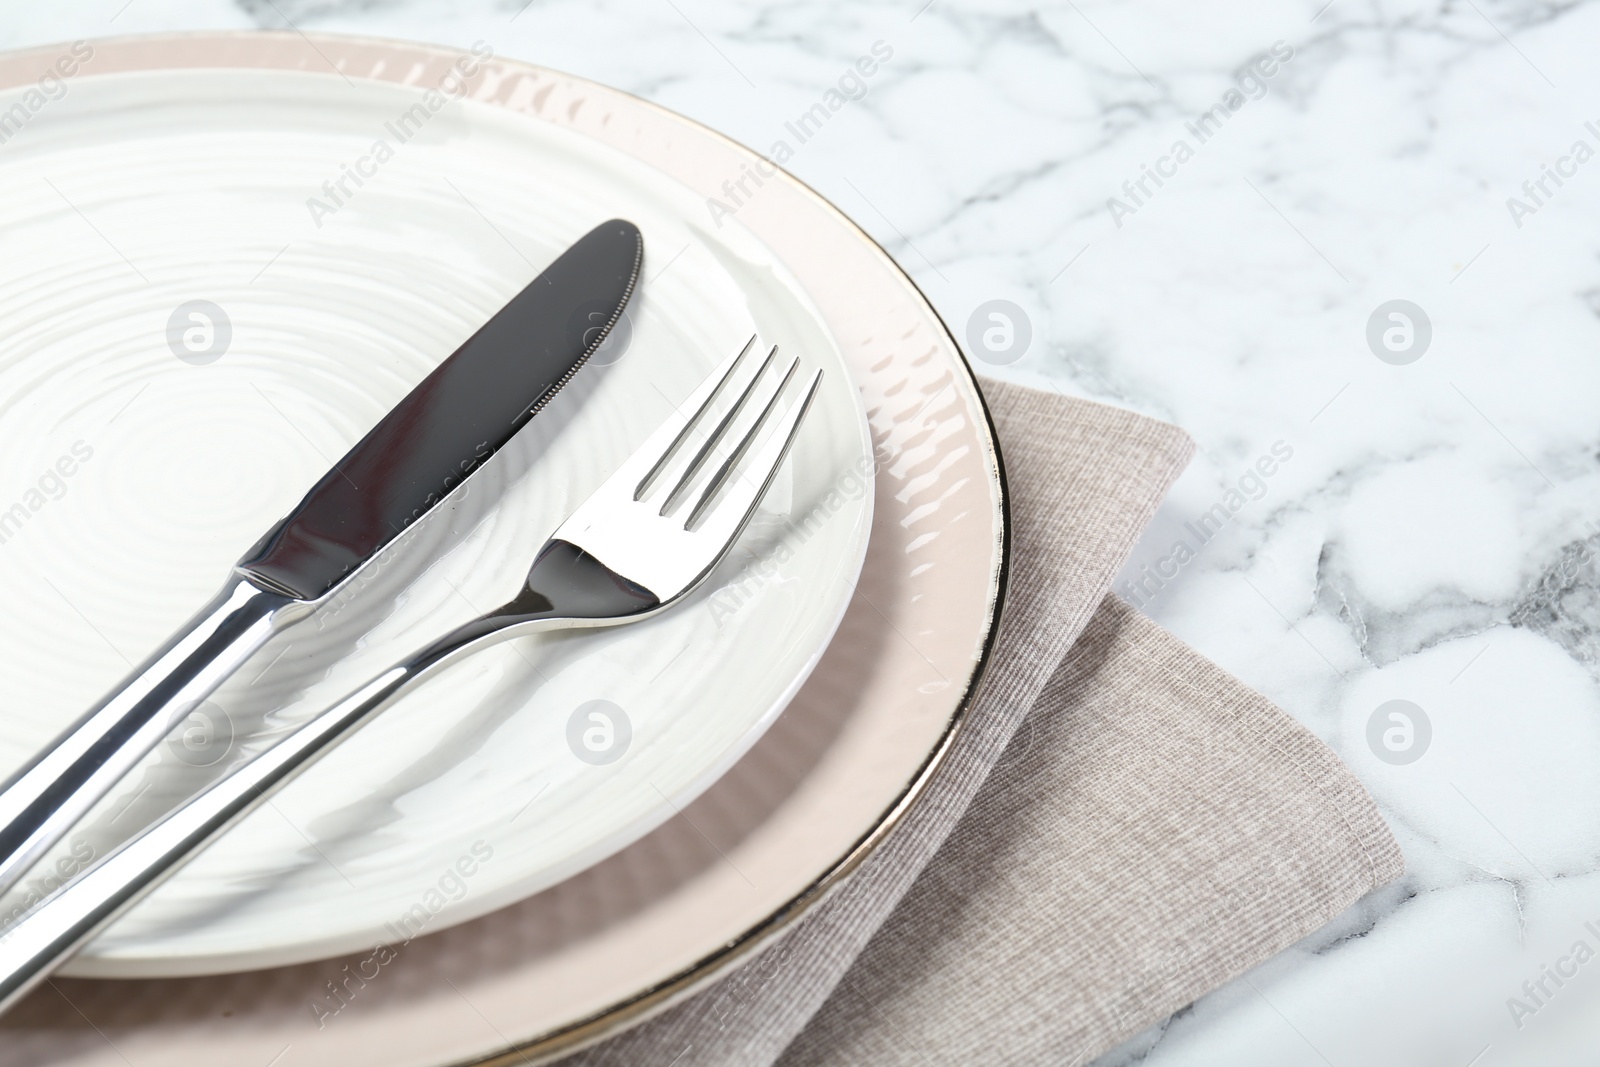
pixel 1154 830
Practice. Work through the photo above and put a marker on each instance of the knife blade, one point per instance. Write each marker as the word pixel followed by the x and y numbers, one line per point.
pixel 434 439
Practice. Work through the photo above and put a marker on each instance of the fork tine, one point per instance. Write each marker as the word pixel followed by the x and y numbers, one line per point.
pixel 734 512
pixel 717 434
pixel 678 425
pixel 724 472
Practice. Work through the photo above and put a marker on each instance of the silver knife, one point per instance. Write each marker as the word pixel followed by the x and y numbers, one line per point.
pixel 444 429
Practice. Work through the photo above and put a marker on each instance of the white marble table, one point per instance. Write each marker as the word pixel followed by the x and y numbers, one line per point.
pixel 1427 529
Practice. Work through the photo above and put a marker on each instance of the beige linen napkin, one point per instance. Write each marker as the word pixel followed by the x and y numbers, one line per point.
pixel 1154 831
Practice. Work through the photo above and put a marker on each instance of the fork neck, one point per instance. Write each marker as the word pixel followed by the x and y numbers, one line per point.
pixel 568 583
pixel 565 585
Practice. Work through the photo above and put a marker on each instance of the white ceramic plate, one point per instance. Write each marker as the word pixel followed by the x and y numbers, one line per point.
pixel 138 193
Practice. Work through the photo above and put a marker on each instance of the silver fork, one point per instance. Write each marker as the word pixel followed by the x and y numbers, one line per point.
pixel 628 552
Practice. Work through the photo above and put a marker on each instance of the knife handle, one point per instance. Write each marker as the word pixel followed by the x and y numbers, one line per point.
pixel 42 801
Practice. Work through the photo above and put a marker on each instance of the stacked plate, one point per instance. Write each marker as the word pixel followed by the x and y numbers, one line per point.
pixel 231 254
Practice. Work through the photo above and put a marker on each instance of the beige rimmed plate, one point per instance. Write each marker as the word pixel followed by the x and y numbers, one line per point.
pixel 794 815
pixel 331 298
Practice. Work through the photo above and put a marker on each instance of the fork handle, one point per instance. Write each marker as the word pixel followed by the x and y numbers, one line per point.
pixel 53 930
pixel 41 802
pixel 566 588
